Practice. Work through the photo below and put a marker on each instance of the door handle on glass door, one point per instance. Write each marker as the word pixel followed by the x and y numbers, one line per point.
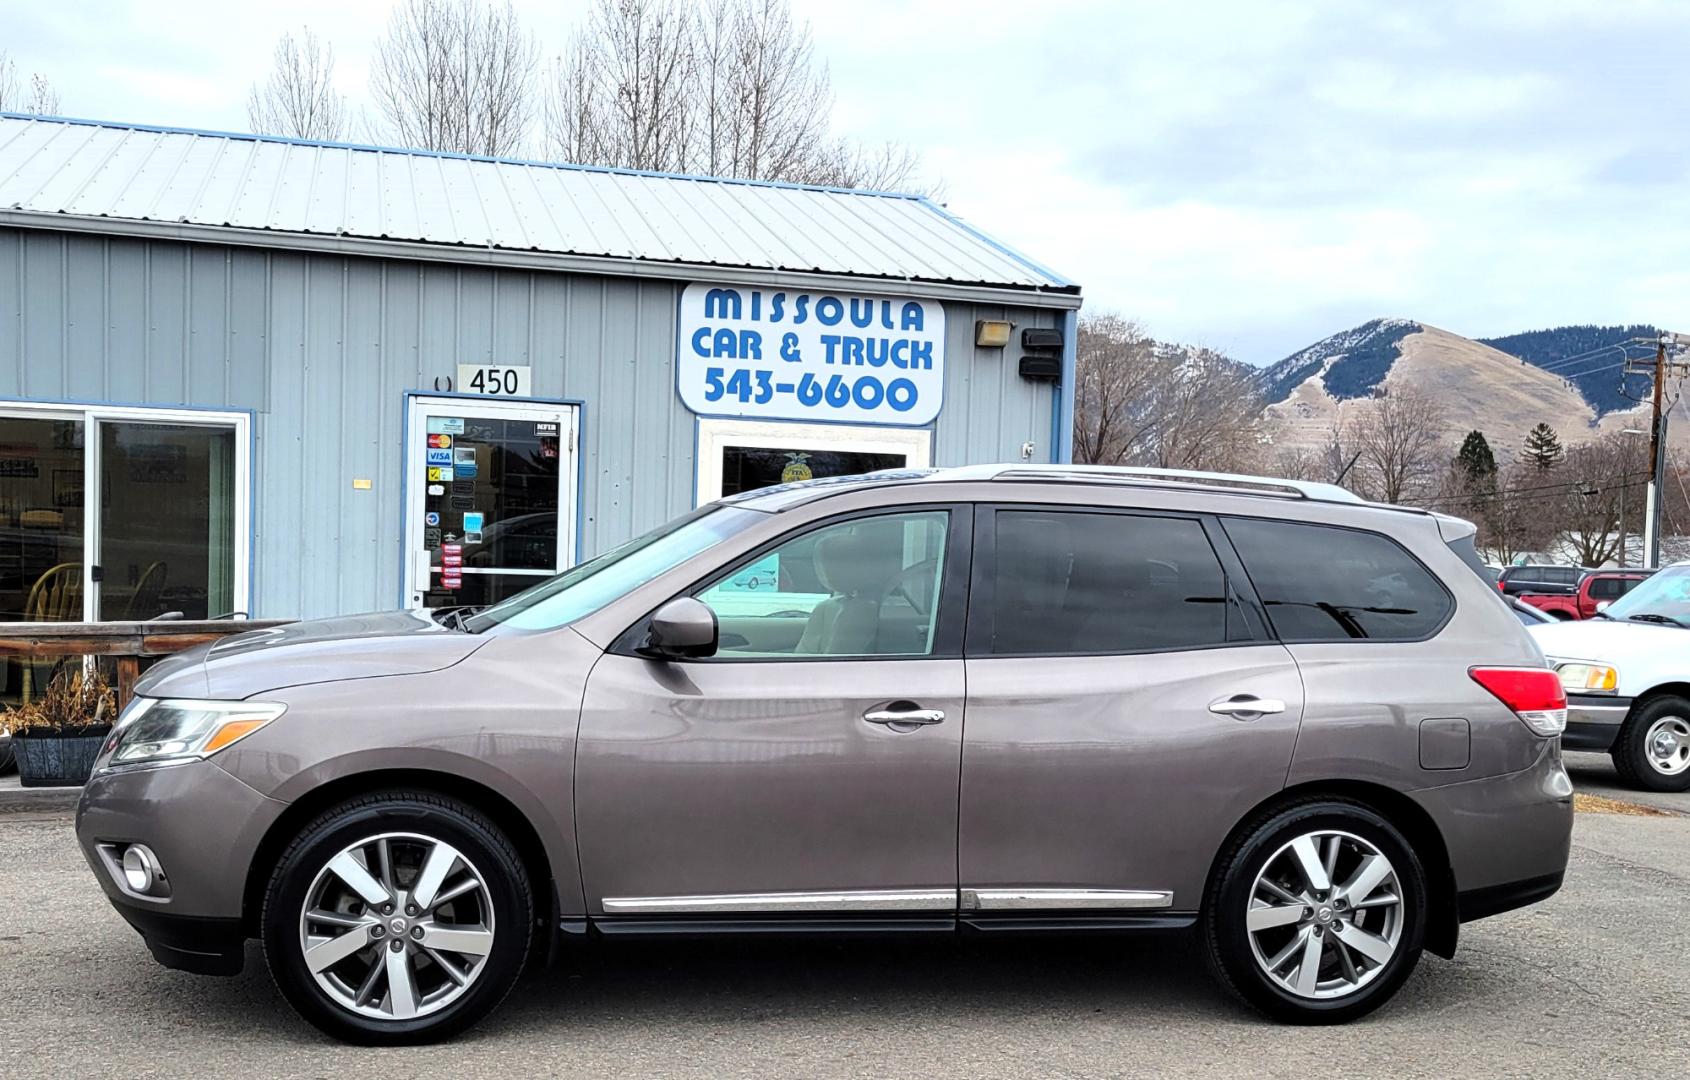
pixel 1246 707
pixel 906 719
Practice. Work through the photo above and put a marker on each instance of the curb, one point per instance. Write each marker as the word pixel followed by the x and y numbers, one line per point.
pixel 15 799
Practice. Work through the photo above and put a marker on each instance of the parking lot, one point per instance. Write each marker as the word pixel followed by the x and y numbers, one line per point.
pixel 1591 983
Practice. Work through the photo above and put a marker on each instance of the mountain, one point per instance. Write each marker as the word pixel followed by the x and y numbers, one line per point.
pixel 1479 386
pixel 1589 357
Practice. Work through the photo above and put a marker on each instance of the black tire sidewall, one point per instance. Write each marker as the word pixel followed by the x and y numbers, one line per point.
pixel 437 818
pixel 1228 938
pixel 1631 753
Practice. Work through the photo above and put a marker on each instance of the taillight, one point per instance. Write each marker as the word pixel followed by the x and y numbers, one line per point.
pixel 1535 695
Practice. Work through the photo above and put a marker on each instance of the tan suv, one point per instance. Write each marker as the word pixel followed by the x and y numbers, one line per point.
pixel 993 699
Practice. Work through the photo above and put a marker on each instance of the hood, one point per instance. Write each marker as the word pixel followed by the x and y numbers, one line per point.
pixel 315 651
pixel 1606 640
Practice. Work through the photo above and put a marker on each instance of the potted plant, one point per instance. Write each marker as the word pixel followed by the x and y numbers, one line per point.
pixel 57 736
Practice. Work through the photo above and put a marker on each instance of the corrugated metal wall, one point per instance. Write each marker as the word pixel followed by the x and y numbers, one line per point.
pixel 323 349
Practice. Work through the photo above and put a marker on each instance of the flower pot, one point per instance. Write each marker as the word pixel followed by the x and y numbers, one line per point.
pixel 57 759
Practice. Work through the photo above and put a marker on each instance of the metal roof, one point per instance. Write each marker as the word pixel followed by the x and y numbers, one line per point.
pixel 93 172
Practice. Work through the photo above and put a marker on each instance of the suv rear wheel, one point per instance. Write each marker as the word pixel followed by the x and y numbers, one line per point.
pixel 399 917
pixel 1316 914
pixel 1653 748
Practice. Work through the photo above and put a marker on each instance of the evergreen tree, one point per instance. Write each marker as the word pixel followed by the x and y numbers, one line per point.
pixel 1477 463
pixel 1543 447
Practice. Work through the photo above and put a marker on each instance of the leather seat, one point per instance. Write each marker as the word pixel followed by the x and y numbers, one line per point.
pixel 855 567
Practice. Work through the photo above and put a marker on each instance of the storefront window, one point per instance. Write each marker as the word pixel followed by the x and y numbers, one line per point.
pixel 41 515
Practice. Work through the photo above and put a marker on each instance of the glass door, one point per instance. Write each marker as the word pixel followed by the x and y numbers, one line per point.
pixel 490 498
pixel 41 518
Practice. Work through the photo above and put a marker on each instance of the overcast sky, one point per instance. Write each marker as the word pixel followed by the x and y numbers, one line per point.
pixel 1248 175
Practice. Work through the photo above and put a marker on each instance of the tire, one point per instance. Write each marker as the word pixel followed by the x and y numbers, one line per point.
pixel 1639 752
pixel 459 959
pixel 1269 848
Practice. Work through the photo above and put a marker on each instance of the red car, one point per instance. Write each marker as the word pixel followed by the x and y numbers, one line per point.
pixel 1597 588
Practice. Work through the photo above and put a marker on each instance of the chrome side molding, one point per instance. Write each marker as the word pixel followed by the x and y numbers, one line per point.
pixel 752 903
pixel 1064 899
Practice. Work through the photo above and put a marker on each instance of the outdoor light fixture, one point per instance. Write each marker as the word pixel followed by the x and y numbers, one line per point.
pixel 1041 353
pixel 992 333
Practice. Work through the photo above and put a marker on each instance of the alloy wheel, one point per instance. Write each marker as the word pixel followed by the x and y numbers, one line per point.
pixel 396 926
pixel 1668 745
pixel 1325 914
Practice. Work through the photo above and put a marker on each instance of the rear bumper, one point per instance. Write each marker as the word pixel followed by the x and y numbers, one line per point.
pixel 1508 836
pixel 1593 721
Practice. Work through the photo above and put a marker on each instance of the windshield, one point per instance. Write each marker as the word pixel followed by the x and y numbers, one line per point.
pixel 1667 595
pixel 584 589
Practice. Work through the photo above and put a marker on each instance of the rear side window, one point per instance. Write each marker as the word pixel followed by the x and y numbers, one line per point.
pixel 1608 588
pixel 1321 583
pixel 1065 583
pixel 1565 575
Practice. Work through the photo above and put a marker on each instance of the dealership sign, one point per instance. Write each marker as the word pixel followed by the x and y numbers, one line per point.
pixel 791 355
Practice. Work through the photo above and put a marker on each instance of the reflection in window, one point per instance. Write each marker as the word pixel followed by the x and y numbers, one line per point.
pixel 866 587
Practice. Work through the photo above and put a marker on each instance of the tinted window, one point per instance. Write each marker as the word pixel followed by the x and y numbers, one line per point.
pixel 1564 575
pixel 1103 583
pixel 1607 588
pixel 1328 584
pixel 864 587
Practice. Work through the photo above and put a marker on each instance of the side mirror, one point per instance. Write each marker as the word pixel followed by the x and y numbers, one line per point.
pixel 683 628
pixel 1602 605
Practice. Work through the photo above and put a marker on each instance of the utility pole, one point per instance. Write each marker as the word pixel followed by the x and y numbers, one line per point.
pixel 1657 370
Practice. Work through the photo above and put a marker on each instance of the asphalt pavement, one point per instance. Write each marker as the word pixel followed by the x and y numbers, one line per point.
pixel 1591 983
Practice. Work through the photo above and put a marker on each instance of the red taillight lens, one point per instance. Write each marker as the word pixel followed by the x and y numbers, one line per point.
pixel 1535 695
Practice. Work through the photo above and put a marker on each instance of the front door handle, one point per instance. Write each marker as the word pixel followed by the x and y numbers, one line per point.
pixel 905 720
pixel 1246 706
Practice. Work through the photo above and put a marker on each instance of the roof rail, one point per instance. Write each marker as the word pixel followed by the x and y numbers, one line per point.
pixel 1253 485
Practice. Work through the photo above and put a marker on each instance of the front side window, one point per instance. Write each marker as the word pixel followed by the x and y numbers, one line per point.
pixel 1663 598
pixel 1068 582
pixel 862 587
pixel 1321 583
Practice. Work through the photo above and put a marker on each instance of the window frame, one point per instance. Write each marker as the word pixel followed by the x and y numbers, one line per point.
pixel 1443 587
pixel 1253 626
pixel 950 616
pixel 91 415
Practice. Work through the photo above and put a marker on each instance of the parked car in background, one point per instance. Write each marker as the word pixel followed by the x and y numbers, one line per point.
pixel 1596 590
pixel 1539 578
pixel 1305 726
pixel 1627 676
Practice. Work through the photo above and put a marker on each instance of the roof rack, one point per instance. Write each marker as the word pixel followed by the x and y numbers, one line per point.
pixel 1120 474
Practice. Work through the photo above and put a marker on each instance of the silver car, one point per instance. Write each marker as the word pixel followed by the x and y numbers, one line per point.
pixel 988 700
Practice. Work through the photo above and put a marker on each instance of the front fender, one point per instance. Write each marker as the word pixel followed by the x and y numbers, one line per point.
pixel 505 719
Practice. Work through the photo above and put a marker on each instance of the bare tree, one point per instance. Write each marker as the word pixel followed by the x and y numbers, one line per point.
pixel 1598 479
pixel 1138 403
pixel 299 100
pixel 1398 435
pixel 456 75
pixel 35 95
pixel 621 94
pixel 723 87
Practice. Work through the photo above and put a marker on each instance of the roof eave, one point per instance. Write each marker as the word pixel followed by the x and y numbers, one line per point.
pixel 1062 295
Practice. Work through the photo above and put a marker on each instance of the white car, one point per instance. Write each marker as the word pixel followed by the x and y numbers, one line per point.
pixel 1627 677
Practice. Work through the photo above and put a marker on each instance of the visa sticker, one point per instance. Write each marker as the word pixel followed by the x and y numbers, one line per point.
pixel 439 457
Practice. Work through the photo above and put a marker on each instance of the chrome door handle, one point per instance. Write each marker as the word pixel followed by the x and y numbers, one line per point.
pixel 907 720
pixel 1245 707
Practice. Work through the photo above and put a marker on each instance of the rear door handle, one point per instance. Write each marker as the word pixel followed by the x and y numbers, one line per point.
pixel 904 719
pixel 1246 706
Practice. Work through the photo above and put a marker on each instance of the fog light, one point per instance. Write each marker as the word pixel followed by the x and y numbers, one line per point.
pixel 140 868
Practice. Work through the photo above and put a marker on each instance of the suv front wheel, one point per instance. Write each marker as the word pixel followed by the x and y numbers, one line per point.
pixel 1316 914
pixel 397 917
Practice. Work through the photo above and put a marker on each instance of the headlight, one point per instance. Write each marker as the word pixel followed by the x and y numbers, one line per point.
pixel 174 729
pixel 1582 678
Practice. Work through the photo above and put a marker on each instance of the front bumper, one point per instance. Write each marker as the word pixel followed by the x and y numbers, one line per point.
pixel 204 827
pixel 1508 836
pixel 1593 721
